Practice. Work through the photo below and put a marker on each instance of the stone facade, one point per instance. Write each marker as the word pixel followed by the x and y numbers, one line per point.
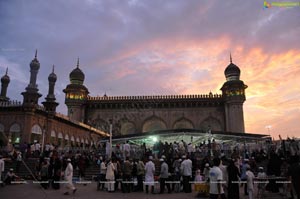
pixel 29 122
pixel 138 114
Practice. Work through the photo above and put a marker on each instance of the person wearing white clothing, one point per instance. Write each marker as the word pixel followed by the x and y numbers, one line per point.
pixel 69 177
pixel 149 174
pixel 250 177
pixel 186 171
pixel 215 181
pixel 110 176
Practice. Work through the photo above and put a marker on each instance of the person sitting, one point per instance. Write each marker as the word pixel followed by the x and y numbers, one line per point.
pixel 10 177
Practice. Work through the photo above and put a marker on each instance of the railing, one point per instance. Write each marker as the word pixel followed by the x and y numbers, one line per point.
pixel 13 103
pixel 154 97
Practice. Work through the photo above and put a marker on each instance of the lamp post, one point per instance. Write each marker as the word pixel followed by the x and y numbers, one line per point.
pixel 110 137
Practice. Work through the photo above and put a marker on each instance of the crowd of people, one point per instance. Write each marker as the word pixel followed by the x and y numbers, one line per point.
pixel 219 168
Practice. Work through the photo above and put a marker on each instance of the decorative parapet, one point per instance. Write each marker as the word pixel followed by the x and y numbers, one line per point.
pixel 13 103
pixel 155 97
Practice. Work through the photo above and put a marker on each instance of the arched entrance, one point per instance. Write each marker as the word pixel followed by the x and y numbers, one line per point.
pixel 36 134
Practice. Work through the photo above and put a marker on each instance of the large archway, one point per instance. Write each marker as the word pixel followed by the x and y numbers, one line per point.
pixel 127 128
pixel 153 124
pixel 212 124
pixel 183 123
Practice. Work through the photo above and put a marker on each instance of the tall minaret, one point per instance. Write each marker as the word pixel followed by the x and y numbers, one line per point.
pixel 50 104
pixel 31 95
pixel 234 94
pixel 4 84
pixel 76 95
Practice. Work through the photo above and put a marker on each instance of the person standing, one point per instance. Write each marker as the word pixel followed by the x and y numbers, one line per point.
pixel 110 176
pixel 44 174
pixel 149 174
pixel 250 187
pixel 215 181
pixel 233 178
pixel 186 170
pixel 164 175
pixel 140 174
pixel 56 172
pixel 127 170
pixel 2 167
pixel 103 168
pixel 69 177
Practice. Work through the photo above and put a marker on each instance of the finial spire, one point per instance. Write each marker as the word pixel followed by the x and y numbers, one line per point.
pixel 53 68
pixel 230 58
pixel 78 62
pixel 35 53
pixel 6 71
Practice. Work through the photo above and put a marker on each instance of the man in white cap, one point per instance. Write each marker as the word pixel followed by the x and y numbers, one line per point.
pixel 164 175
pixel 69 178
pixel 186 170
pixel 149 174
pixel 2 166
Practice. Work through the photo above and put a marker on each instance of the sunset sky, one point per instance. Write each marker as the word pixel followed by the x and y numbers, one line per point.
pixel 160 47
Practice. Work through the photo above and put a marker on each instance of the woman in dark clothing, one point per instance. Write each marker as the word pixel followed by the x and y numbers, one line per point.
pixel 56 173
pixel 233 177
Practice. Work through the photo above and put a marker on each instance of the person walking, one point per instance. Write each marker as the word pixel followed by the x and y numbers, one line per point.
pixel 110 176
pixel 149 174
pixel 69 177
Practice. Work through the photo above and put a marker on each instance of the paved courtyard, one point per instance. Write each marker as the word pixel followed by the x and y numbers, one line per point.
pixel 32 190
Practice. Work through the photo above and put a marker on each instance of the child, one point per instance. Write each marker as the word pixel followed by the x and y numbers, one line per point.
pixel 200 184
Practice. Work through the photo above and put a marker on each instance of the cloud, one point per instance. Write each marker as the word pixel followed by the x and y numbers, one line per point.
pixel 159 47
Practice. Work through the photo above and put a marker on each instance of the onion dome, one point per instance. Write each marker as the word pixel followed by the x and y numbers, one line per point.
pixel 35 64
pixel 52 77
pixel 5 78
pixel 77 76
pixel 232 71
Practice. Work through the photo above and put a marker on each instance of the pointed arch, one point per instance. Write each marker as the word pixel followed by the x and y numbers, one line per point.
pixel 212 123
pixel 183 123
pixel 127 128
pixel 36 133
pixel 154 123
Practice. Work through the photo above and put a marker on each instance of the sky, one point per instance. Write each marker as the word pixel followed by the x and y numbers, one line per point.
pixel 160 47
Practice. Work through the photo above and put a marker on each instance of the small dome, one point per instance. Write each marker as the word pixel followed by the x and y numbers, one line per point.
pixel 76 76
pixel 5 78
pixel 35 64
pixel 232 72
pixel 52 77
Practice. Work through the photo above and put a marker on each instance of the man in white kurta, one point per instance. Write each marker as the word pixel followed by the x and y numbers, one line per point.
pixel 69 177
pixel 149 175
